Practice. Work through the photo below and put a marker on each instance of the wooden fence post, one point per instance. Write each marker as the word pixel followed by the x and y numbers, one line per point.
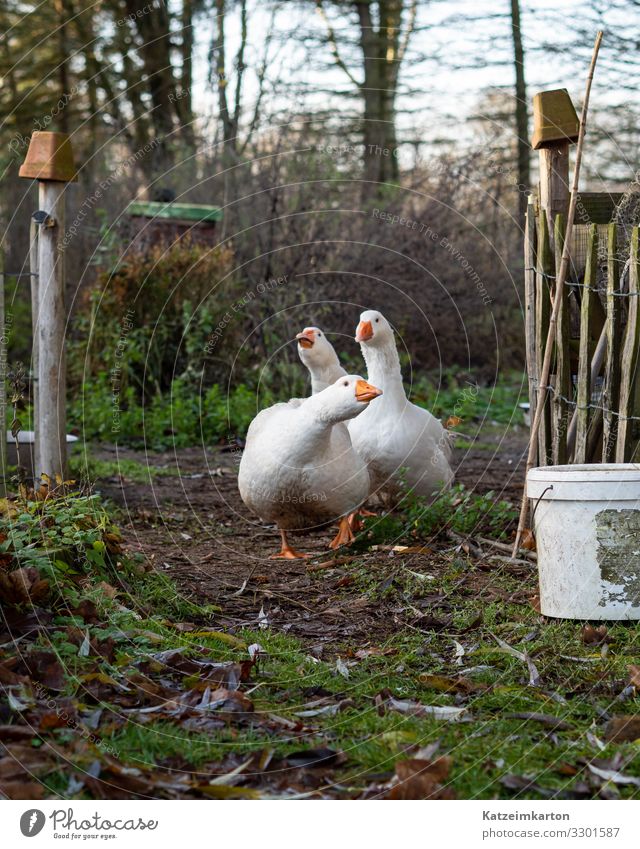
pixel 544 275
pixel 3 385
pixel 562 384
pixel 584 417
pixel 556 126
pixel 50 161
pixel 611 389
pixel 35 306
pixel 530 306
pixel 630 351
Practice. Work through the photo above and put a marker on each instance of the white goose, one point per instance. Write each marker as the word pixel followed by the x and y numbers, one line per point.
pixel 295 474
pixel 397 439
pixel 320 358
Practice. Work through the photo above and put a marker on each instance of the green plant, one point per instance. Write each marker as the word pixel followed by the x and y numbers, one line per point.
pixel 453 393
pixel 64 539
pixel 148 319
pixel 457 510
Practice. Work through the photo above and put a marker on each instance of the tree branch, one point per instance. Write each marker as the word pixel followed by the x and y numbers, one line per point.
pixel 333 44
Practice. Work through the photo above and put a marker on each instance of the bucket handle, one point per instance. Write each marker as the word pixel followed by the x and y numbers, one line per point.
pixel 538 500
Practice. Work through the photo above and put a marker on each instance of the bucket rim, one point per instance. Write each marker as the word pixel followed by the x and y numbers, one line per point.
pixel 587 473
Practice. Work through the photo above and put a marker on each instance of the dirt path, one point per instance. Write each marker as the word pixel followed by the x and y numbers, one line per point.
pixel 191 522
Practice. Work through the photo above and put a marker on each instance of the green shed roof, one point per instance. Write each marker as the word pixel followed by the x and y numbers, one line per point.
pixel 176 211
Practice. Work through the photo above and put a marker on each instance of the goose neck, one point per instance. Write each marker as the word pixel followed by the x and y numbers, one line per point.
pixel 383 367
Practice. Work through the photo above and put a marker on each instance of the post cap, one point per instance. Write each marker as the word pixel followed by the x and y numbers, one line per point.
pixel 554 119
pixel 49 157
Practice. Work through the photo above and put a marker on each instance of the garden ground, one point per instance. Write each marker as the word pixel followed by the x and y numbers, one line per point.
pixel 413 665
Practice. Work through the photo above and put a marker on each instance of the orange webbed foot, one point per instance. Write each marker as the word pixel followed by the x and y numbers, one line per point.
pixel 287 552
pixel 344 536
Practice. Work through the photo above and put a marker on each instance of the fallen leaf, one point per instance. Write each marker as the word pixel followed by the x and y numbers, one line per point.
pixel 313 758
pixel 341 667
pixel 544 718
pixel 444 712
pixel 421 779
pixel 614 776
pixel 85 646
pixel 263 619
pixel 634 676
pixel 528 540
pixel 594 636
pixel 621 729
pixel 451 685
pixel 525 783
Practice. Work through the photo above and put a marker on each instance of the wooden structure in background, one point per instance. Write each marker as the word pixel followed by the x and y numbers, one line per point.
pixel 154 223
pixel 592 412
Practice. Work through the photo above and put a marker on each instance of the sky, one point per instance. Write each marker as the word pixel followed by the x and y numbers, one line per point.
pixel 453 60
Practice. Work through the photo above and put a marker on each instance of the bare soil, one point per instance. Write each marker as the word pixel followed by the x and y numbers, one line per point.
pixel 193 526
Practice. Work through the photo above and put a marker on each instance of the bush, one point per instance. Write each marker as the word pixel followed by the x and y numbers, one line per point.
pixel 178 418
pixel 149 319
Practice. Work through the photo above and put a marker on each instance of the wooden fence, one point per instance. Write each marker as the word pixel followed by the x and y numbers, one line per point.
pixel 592 411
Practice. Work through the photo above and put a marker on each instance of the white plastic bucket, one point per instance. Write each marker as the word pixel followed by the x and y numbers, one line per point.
pixel 587 528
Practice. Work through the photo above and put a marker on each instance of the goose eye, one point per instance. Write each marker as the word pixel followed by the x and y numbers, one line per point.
pixel 346 383
pixel 319 334
pixel 377 320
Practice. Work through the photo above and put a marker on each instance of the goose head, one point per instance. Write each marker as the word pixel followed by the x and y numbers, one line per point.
pixel 346 398
pixel 314 349
pixel 374 329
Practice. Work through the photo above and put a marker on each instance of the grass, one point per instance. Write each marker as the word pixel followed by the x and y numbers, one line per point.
pixel 491 745
pixel 484 750
pixel 189 414
pixel 86 467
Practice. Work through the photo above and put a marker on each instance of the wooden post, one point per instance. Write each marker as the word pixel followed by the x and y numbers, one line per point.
pixel 563 369
pixel 51 429
pixel 34 278
pixel 544 274
pixel 554 181
pixel 530 306
pixel 583 406
pixel 3 384
pixel 50 161
pixel 556 126
pixel 630 351
pixel 611 389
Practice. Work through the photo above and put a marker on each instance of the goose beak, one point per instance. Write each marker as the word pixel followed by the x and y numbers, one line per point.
pixel 365 392
pixel 364 332
pixel 306 338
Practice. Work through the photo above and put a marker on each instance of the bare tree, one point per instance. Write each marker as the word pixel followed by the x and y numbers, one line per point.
pixel 383 37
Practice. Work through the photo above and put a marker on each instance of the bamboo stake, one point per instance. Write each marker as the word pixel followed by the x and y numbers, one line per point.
pixel 562 276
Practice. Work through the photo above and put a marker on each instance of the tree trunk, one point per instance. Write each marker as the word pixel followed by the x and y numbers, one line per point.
pixel 381 60
pixel 522 114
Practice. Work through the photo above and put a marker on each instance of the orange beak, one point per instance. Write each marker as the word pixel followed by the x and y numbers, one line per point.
pixel 306 338
pixel 364 332
pixel 366 392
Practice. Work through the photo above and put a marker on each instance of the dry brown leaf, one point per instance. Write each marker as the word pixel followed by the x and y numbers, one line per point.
pixel 421 779
pixel 450 685
pixel 622 729
pixel 634 675
pixel 594 636
pixel 528 541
